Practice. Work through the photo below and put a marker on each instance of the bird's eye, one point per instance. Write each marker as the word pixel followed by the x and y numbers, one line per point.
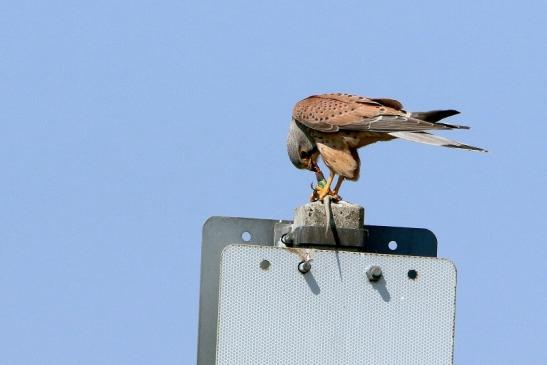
pixel 304 154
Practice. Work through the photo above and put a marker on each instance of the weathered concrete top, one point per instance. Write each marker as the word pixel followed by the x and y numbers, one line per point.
pixel 345 215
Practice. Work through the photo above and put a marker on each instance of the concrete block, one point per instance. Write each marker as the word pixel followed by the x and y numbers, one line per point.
pixel 345 215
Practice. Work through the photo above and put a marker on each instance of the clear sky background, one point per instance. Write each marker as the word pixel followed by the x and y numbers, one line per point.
pixel 126 124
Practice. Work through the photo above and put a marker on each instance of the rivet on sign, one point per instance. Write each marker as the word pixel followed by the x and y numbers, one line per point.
pixel 265 265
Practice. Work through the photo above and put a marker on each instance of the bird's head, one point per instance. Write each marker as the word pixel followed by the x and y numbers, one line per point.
pixel 301 149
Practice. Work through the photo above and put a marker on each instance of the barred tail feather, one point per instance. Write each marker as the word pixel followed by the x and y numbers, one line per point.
pixel 422 137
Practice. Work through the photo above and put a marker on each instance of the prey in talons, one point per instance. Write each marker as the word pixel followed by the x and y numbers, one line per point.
pixel 322 190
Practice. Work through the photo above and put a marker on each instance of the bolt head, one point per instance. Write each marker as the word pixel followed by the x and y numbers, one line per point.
pixel 374 273
pixel 304 266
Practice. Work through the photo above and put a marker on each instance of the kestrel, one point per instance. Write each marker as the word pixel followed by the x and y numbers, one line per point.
pixel 334 126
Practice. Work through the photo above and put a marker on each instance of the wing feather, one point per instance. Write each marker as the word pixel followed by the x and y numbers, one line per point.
pixel 390 123
pixel 431 139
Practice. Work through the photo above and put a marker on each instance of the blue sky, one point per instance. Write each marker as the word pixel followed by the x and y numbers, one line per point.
pixel 126 124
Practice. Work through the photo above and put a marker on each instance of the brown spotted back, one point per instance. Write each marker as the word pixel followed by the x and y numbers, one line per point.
pixel 328 111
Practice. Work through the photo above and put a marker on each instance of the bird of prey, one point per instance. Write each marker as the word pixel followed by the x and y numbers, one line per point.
pixel 334 126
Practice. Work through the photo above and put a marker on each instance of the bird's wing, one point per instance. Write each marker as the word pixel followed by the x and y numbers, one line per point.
pixel 392 103
pixel 334 112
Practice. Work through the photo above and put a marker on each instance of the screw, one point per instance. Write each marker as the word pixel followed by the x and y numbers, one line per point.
pixel 304 266
pixel 374 273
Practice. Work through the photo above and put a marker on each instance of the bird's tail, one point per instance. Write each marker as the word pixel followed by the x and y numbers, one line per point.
pixel 423 137
pixel 434 116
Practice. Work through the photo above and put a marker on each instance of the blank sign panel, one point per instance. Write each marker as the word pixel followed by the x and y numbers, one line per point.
pixel 272 313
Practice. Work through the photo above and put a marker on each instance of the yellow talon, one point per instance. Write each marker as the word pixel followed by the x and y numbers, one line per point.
pixel 322 190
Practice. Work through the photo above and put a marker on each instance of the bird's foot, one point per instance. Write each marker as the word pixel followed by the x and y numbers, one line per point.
pixel 321 192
